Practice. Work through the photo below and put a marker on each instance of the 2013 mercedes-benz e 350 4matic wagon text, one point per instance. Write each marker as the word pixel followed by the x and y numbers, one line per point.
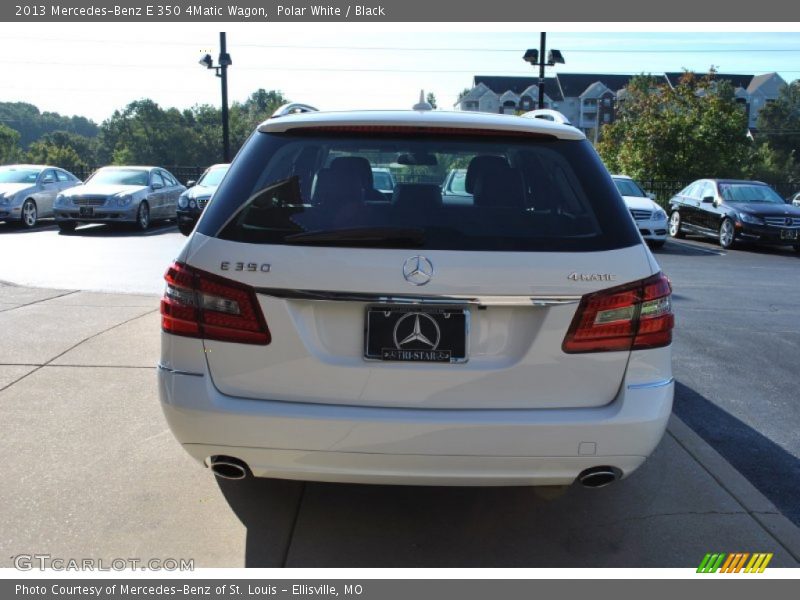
pixel 316 329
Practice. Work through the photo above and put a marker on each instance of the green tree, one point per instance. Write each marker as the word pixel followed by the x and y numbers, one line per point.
pixel 63 149
pixel 779 136
pixel 9 144
pixel 693 130
pixel 431 99
pixel 246 116
pixel 33 124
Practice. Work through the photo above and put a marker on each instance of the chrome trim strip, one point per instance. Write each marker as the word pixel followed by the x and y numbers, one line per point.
pixel 178 371
pixel 651 384
pixel 328 296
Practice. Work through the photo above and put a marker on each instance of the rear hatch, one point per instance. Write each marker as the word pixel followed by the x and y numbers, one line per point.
pixel 413 301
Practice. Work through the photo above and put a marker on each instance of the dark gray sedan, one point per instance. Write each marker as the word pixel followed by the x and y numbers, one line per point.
pixel 27 192
pixel 116 195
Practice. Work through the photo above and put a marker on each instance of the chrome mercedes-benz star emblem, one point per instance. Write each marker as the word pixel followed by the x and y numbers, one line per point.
pixel 417 327
pixel 418 270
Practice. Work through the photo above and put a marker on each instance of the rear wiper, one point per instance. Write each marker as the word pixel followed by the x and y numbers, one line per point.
pixel 361 235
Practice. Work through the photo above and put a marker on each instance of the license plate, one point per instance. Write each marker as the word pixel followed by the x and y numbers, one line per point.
pixel 789 234
pixel 416 334
pixel 86 211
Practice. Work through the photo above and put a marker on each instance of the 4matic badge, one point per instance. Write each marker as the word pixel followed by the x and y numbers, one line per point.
pixel 591 276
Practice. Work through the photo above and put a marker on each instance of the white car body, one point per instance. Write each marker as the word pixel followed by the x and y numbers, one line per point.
pixel 309 406
pixel 650 218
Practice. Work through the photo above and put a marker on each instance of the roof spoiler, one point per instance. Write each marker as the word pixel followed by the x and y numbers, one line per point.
pixel 548 115
pixel 293 108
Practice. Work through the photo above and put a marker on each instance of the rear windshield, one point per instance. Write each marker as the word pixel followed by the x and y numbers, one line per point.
pixel 519 194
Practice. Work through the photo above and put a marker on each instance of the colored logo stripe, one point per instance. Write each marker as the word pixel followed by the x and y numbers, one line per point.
pixel 734 563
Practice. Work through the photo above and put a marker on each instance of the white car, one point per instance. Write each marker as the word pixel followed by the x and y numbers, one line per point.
pixel 650 218
pixel 521 339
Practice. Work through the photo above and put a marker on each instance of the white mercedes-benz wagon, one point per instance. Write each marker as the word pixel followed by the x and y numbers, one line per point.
pixel 315 328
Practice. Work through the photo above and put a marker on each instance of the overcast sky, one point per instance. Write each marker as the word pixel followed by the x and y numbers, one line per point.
pixel 93 69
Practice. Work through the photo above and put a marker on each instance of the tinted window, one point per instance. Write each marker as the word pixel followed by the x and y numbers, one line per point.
pixel 537 194
pixel 746 192
pixel 156 179
pixel 119 177
pixel 13 175
pixel 49 176
pixel 458 183
pixel 628 187
pixel 212 177
pixel 62 176
pixel 382 181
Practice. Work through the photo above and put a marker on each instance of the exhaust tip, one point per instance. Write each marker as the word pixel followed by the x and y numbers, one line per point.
pixel 598 477
pixel 227 467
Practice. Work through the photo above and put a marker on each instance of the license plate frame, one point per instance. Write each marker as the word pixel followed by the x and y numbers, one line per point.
pixel 86 211
pixel 436 334
pixel 789 234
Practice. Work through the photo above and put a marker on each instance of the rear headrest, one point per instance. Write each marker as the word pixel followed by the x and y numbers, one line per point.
pixel 353 166
pixel 332 189
pixel 417 196
pixel 482 164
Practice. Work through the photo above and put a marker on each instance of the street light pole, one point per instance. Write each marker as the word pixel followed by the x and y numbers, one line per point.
pixel 223 74
pixel 221 71
pixel 541 69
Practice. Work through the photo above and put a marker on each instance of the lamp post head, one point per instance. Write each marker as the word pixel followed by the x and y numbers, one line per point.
pixel 531 56
pixel 554 57
pixel 207 61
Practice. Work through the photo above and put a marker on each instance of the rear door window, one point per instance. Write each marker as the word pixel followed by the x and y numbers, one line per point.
pixel 305 189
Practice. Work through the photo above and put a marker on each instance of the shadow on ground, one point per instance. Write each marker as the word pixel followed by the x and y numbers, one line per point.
pixel 775 472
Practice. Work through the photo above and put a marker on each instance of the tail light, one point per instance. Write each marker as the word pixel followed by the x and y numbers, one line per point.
pixel 634 316
pixel 201 305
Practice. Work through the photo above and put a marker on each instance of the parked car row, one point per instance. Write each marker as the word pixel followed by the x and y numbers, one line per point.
pixel 133 195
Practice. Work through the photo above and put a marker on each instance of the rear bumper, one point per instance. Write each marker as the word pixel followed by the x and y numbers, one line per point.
pixel 318 442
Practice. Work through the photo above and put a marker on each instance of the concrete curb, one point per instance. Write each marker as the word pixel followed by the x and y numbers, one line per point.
pixel 754 502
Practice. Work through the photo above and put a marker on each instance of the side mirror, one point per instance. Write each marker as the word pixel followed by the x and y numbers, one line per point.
pixel 191 183
pixel 651 195
pixel 709 200
pixel 156 186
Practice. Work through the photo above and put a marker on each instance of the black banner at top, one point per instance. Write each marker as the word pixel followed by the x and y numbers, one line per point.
pixel 711 11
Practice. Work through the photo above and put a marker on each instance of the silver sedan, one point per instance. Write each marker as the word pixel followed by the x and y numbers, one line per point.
pixel 135 195
pixel 27 192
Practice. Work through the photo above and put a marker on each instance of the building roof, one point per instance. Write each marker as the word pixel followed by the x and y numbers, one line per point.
pixel 764 82
pixel 500 84
pixel 736 80
pixel 595 90
pixel 574 84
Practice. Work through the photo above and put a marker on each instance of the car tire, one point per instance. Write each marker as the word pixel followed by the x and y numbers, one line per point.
pixel 727 234
pixel 143 216
pixel 186 227
pixel 29 215
pixel 657 243
pixel 66 226
pixel 675 225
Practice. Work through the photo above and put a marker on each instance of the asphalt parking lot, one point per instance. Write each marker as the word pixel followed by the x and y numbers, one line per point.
pixel 96 473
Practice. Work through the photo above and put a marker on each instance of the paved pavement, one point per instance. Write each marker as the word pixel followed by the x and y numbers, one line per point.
pixel 92 471
pixel 94 257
